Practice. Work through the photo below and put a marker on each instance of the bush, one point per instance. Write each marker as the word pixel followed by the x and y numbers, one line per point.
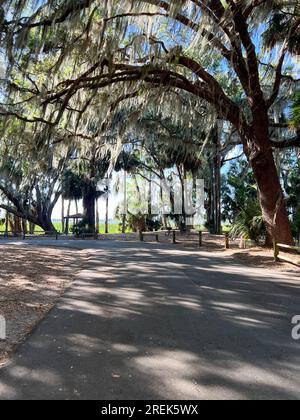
pixel 140 222
pixel 296 225
pixel 81 228
pixel 249 223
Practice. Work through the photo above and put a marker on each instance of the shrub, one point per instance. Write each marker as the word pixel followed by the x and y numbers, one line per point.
pixel 81 228
pixel 249 223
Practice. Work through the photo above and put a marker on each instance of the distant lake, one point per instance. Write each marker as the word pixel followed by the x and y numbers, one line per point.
pixel 111 221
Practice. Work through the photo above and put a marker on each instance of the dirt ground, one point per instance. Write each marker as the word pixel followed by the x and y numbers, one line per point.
pixel 259 257
pixel 31 281
pixel 264 258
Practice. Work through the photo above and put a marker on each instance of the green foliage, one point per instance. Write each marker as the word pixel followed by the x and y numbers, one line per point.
pixel 240 203
pixel 293 199
pixel 238 187
pixel 296 111
pixel 73 185
pixel 82 180
pixel 249 223
pixel 63 58
pixel 278 29
pixel 140 222
pixel 81 228
pixel 296 224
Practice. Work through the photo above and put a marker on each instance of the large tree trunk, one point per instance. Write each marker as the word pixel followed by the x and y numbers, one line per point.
pixel 89 211
pixel 123 223
pixel 6 223
pixel 31 228
pixel 17 225
pixel 215 225
pixel 45 223
pixel 39 215
pixel 266 175
pixel 106 214
pixel 24 227
pixel 272 199
pixel 183 216
pixel 67 223
pixel 97 217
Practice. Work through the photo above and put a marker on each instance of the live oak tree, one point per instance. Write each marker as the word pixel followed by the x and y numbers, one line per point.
pixel 29 175
pixel 31 196
pixel 137 45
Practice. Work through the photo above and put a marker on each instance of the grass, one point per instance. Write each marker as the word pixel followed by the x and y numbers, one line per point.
pixel 112 229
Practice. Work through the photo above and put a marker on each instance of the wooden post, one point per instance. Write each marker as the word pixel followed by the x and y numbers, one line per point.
pixel 174 237
pixel 200 239
pixel 276 251
pixel 227 246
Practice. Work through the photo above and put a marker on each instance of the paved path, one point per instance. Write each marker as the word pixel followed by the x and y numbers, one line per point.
pixel 158 322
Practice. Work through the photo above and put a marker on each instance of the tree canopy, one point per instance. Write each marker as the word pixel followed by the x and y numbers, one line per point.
pixel 70 67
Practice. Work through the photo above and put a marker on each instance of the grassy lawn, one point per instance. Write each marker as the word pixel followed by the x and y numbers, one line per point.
pixel 113 228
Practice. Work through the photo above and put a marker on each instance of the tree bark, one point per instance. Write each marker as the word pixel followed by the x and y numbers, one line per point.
pixel 182 217
pixel 67 224
pixel 17 225
pixel 215 225
pixel 272 199
pixel 97 217
pixel 24 227
pixel 46 224
pixel 89 211
pixel 266 175
pixel 123 223
pixel 6 223
pixel 31 228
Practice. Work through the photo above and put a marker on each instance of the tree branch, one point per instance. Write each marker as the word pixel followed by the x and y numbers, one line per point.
pixel 241 26
pixel 283 54
pixel 285 144
pixel 278 76
pixel 193 26
pixel 81 4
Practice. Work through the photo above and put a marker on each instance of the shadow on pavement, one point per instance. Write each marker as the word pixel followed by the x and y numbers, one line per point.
pixel 152 322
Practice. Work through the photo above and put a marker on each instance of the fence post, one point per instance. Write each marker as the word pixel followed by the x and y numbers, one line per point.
pixel 174 237
pixel 276 250
pixel 227 246
pixel 200 238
